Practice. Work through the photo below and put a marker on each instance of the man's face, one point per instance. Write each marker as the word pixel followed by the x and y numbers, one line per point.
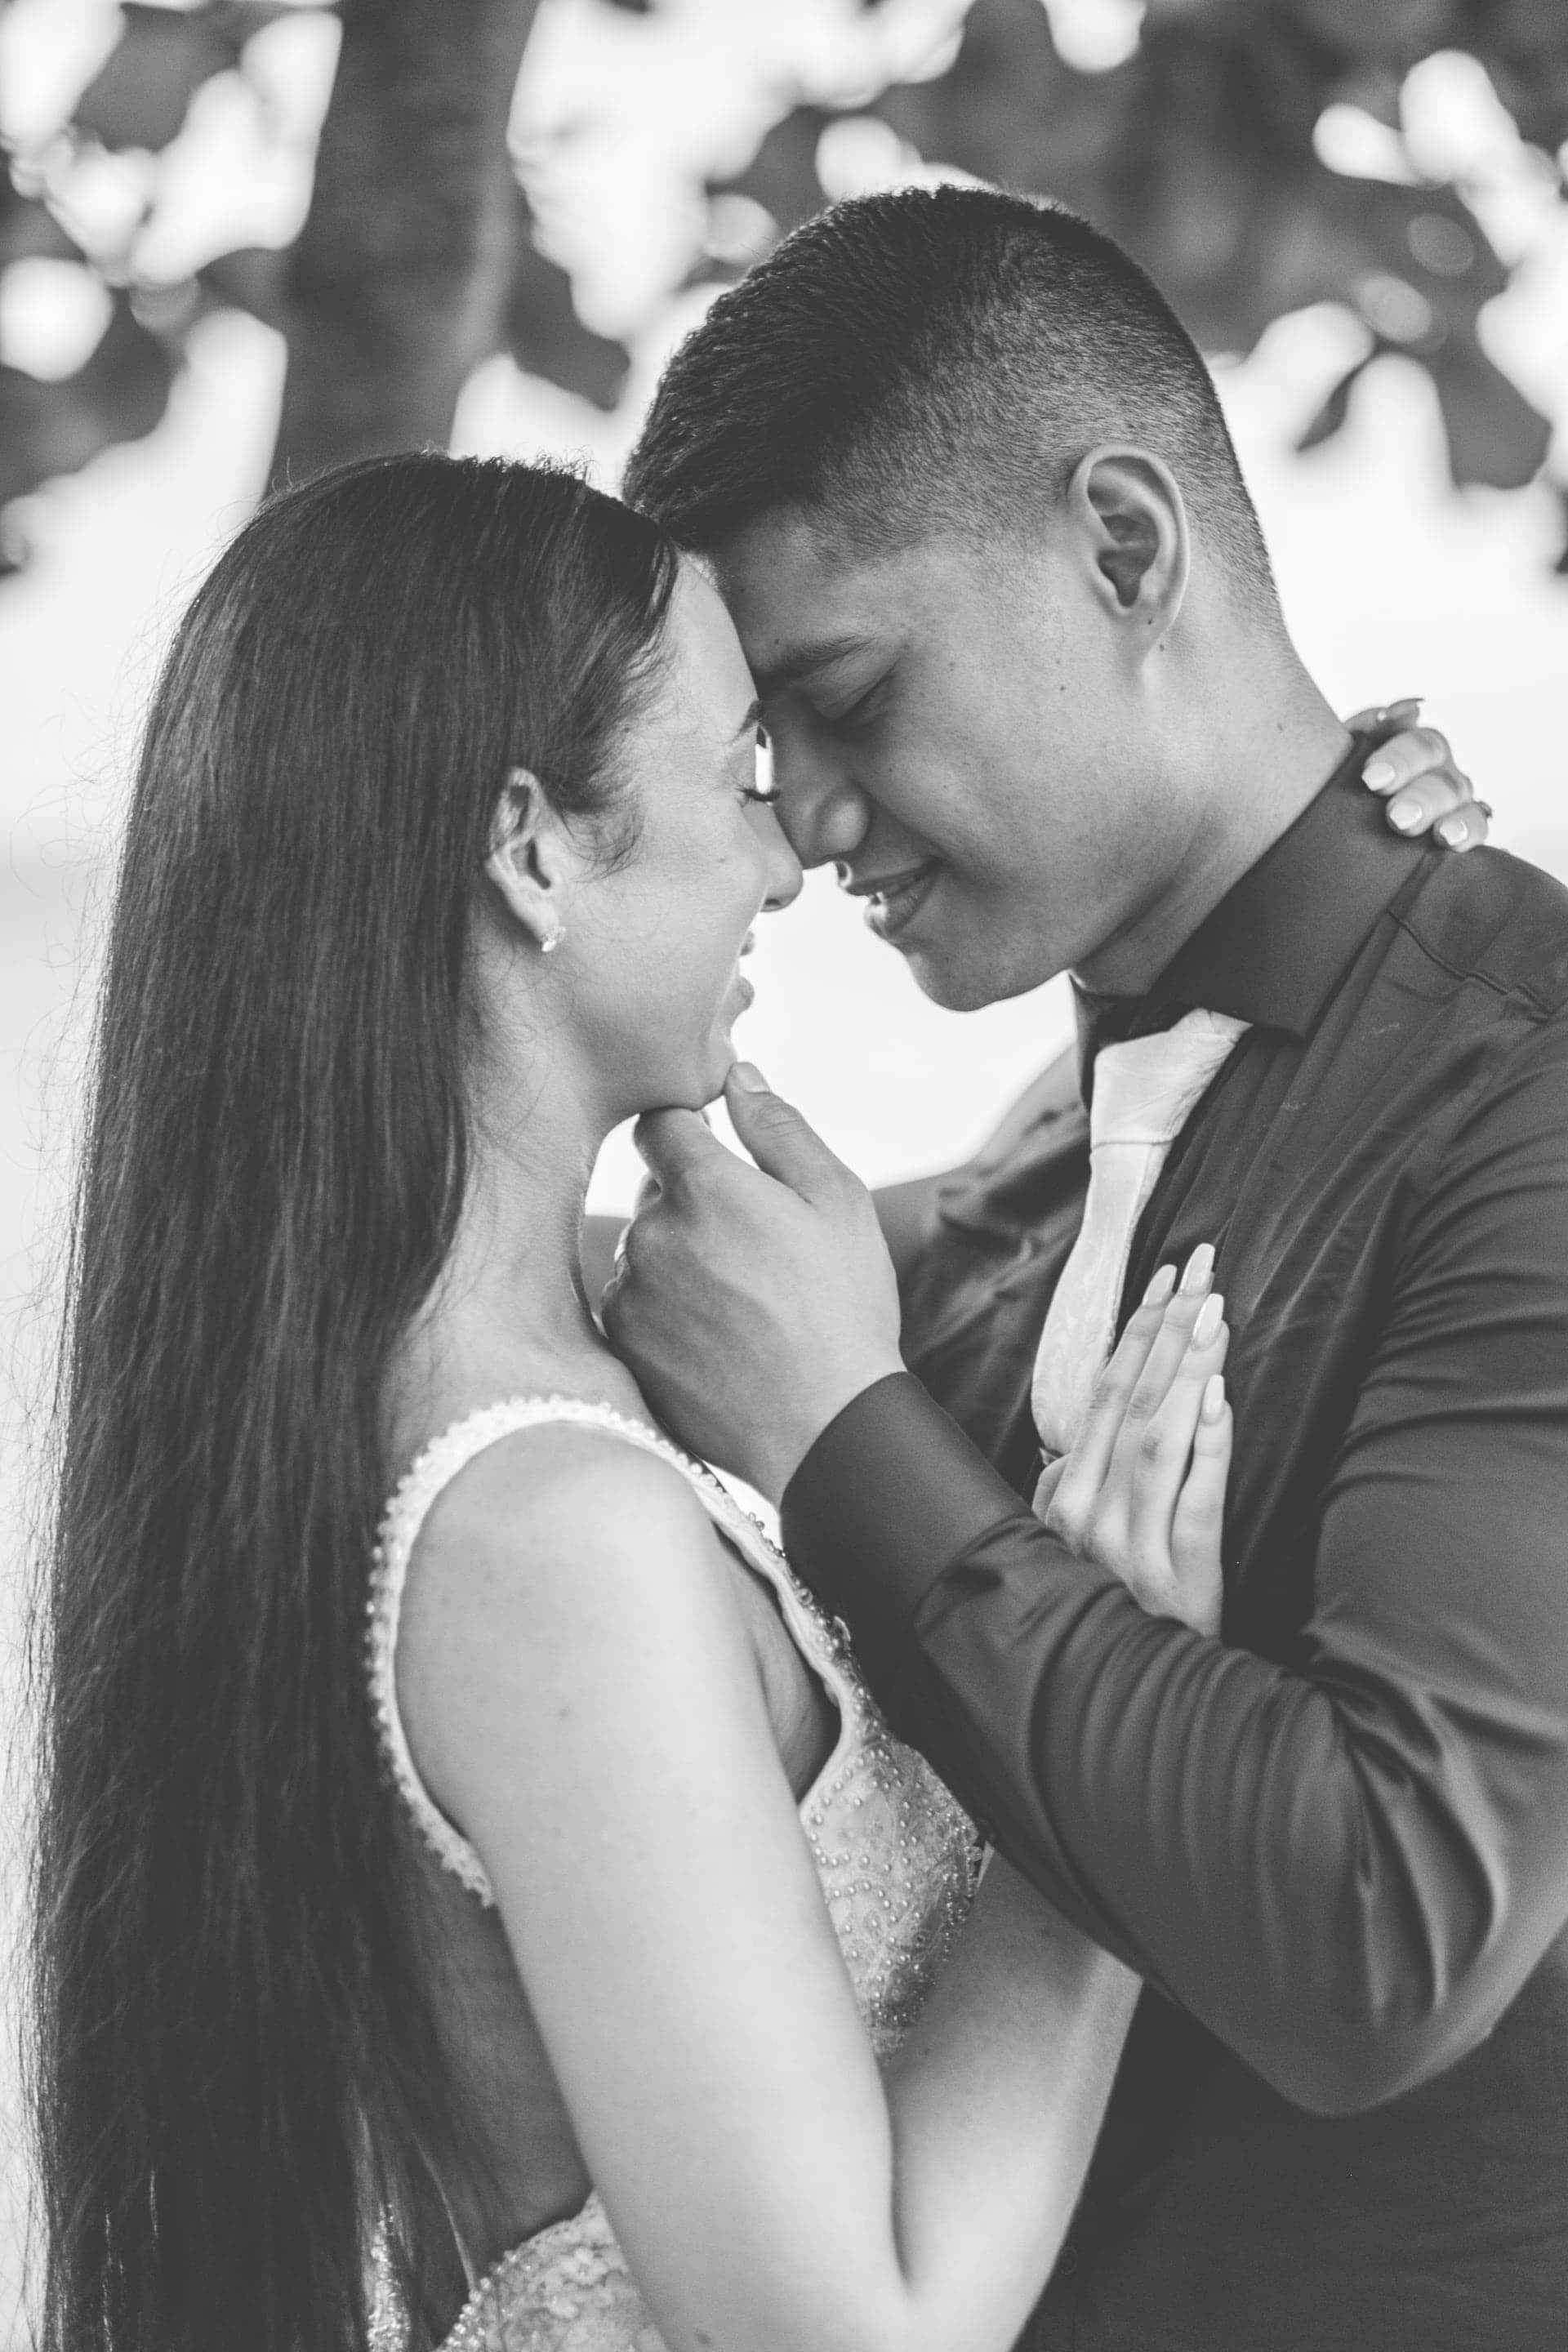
pixel 957 728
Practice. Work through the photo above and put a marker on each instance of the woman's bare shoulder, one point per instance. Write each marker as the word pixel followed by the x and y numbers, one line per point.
pixel 562 1569
pixel 553 1535
pixel 550 1513
pixel 558 1478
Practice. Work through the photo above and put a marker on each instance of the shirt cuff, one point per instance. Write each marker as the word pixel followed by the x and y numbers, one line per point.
pixel 888 1495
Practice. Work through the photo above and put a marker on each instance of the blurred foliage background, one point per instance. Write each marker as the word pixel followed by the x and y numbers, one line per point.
pixel 412 213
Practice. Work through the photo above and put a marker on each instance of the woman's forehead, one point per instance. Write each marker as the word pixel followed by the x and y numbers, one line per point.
pixel 708 659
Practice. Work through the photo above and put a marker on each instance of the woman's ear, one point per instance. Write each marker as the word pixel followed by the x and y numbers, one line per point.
pixel 1133 518
pixel 523 860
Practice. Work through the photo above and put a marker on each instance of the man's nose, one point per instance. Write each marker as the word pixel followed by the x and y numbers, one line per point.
pixel 823 812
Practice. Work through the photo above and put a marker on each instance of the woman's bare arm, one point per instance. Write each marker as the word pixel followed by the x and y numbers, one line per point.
pixel 582 1697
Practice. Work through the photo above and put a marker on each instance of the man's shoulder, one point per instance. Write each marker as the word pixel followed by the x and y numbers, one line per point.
pixel 1499 920
pixel 1495 944
pixel 1039 1143
pixel 1050 1102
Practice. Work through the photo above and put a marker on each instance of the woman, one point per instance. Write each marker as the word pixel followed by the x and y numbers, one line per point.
pixel 361 1967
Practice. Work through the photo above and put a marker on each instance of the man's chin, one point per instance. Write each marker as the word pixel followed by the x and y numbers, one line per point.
pixel 952 984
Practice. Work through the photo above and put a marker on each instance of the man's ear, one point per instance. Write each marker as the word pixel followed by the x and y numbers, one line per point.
pixel 523 860
pixel 1134 521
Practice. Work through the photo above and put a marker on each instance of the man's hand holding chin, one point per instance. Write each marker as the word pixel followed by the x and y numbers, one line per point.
pixel 751 1304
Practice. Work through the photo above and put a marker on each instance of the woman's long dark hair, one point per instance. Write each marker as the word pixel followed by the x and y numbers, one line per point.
pixel 235 2065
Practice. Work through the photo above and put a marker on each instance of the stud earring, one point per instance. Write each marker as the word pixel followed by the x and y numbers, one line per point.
pixel 548 946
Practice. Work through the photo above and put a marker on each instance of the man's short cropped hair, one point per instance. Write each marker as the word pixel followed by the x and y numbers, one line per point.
pixel 935 359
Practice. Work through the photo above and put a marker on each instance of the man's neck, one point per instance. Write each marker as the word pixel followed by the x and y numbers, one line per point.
pixel 1258 773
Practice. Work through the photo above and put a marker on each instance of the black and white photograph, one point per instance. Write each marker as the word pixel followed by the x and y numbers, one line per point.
pixel 784 1176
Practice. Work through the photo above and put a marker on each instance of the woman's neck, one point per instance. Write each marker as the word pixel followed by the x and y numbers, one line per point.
pixel 509 1313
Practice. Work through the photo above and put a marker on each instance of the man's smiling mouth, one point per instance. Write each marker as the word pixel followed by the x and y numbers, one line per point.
pixel 895 900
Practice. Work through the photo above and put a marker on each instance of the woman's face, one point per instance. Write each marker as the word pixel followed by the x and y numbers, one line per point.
pixel 653 960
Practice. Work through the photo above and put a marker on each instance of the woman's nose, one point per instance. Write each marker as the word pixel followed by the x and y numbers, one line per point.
pixel 784 878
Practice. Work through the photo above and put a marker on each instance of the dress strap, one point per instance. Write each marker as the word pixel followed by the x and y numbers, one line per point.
pixel 435 1468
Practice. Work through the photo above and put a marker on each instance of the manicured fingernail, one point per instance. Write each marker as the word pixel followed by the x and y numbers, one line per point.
pixel 747 1076
pixel 1212 1405
pixel 1160 1289
pixel 1406 702
pixel 1379 774
pixel 1452 830
pixel 1208 1321
pixel 1405 815
pixel 1198 1272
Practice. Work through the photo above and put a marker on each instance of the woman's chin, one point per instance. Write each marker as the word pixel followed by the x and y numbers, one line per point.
pixel 720 1062
pixel 693 1085
pixel 693 1079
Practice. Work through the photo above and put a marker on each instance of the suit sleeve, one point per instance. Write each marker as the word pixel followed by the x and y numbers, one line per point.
pixel 1345 1871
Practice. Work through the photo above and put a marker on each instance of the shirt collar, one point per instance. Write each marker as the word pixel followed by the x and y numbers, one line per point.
pixel 1280 941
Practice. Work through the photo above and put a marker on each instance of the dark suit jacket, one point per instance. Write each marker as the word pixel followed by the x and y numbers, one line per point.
pixel 1335 1840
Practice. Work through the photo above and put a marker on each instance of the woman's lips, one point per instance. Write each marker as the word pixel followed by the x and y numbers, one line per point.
pixel 890 911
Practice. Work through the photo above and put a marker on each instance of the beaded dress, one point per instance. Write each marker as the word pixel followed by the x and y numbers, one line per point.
pixel 896 1859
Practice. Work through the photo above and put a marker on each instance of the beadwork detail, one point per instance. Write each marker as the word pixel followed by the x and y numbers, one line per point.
pixel 897 1858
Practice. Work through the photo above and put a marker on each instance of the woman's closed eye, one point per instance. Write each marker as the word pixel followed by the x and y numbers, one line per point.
pixel 759 785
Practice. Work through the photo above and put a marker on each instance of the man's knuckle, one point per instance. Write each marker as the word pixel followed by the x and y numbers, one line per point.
pixel 1070 1507
pixel 778 1119
pixel 1109 1533
pixel 1065 1525
pixel 1150 1578
pixel 1147 1598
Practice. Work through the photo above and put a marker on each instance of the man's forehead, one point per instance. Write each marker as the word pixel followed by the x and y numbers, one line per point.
pixel 783 542
pixel 801 596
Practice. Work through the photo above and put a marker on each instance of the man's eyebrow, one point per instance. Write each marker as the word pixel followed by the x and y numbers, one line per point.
pixel 814 655
pixel 750 722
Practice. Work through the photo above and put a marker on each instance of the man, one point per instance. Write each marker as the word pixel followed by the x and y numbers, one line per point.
pixel 968 494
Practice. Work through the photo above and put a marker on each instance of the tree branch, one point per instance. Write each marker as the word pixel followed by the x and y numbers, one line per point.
pixel 398 284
